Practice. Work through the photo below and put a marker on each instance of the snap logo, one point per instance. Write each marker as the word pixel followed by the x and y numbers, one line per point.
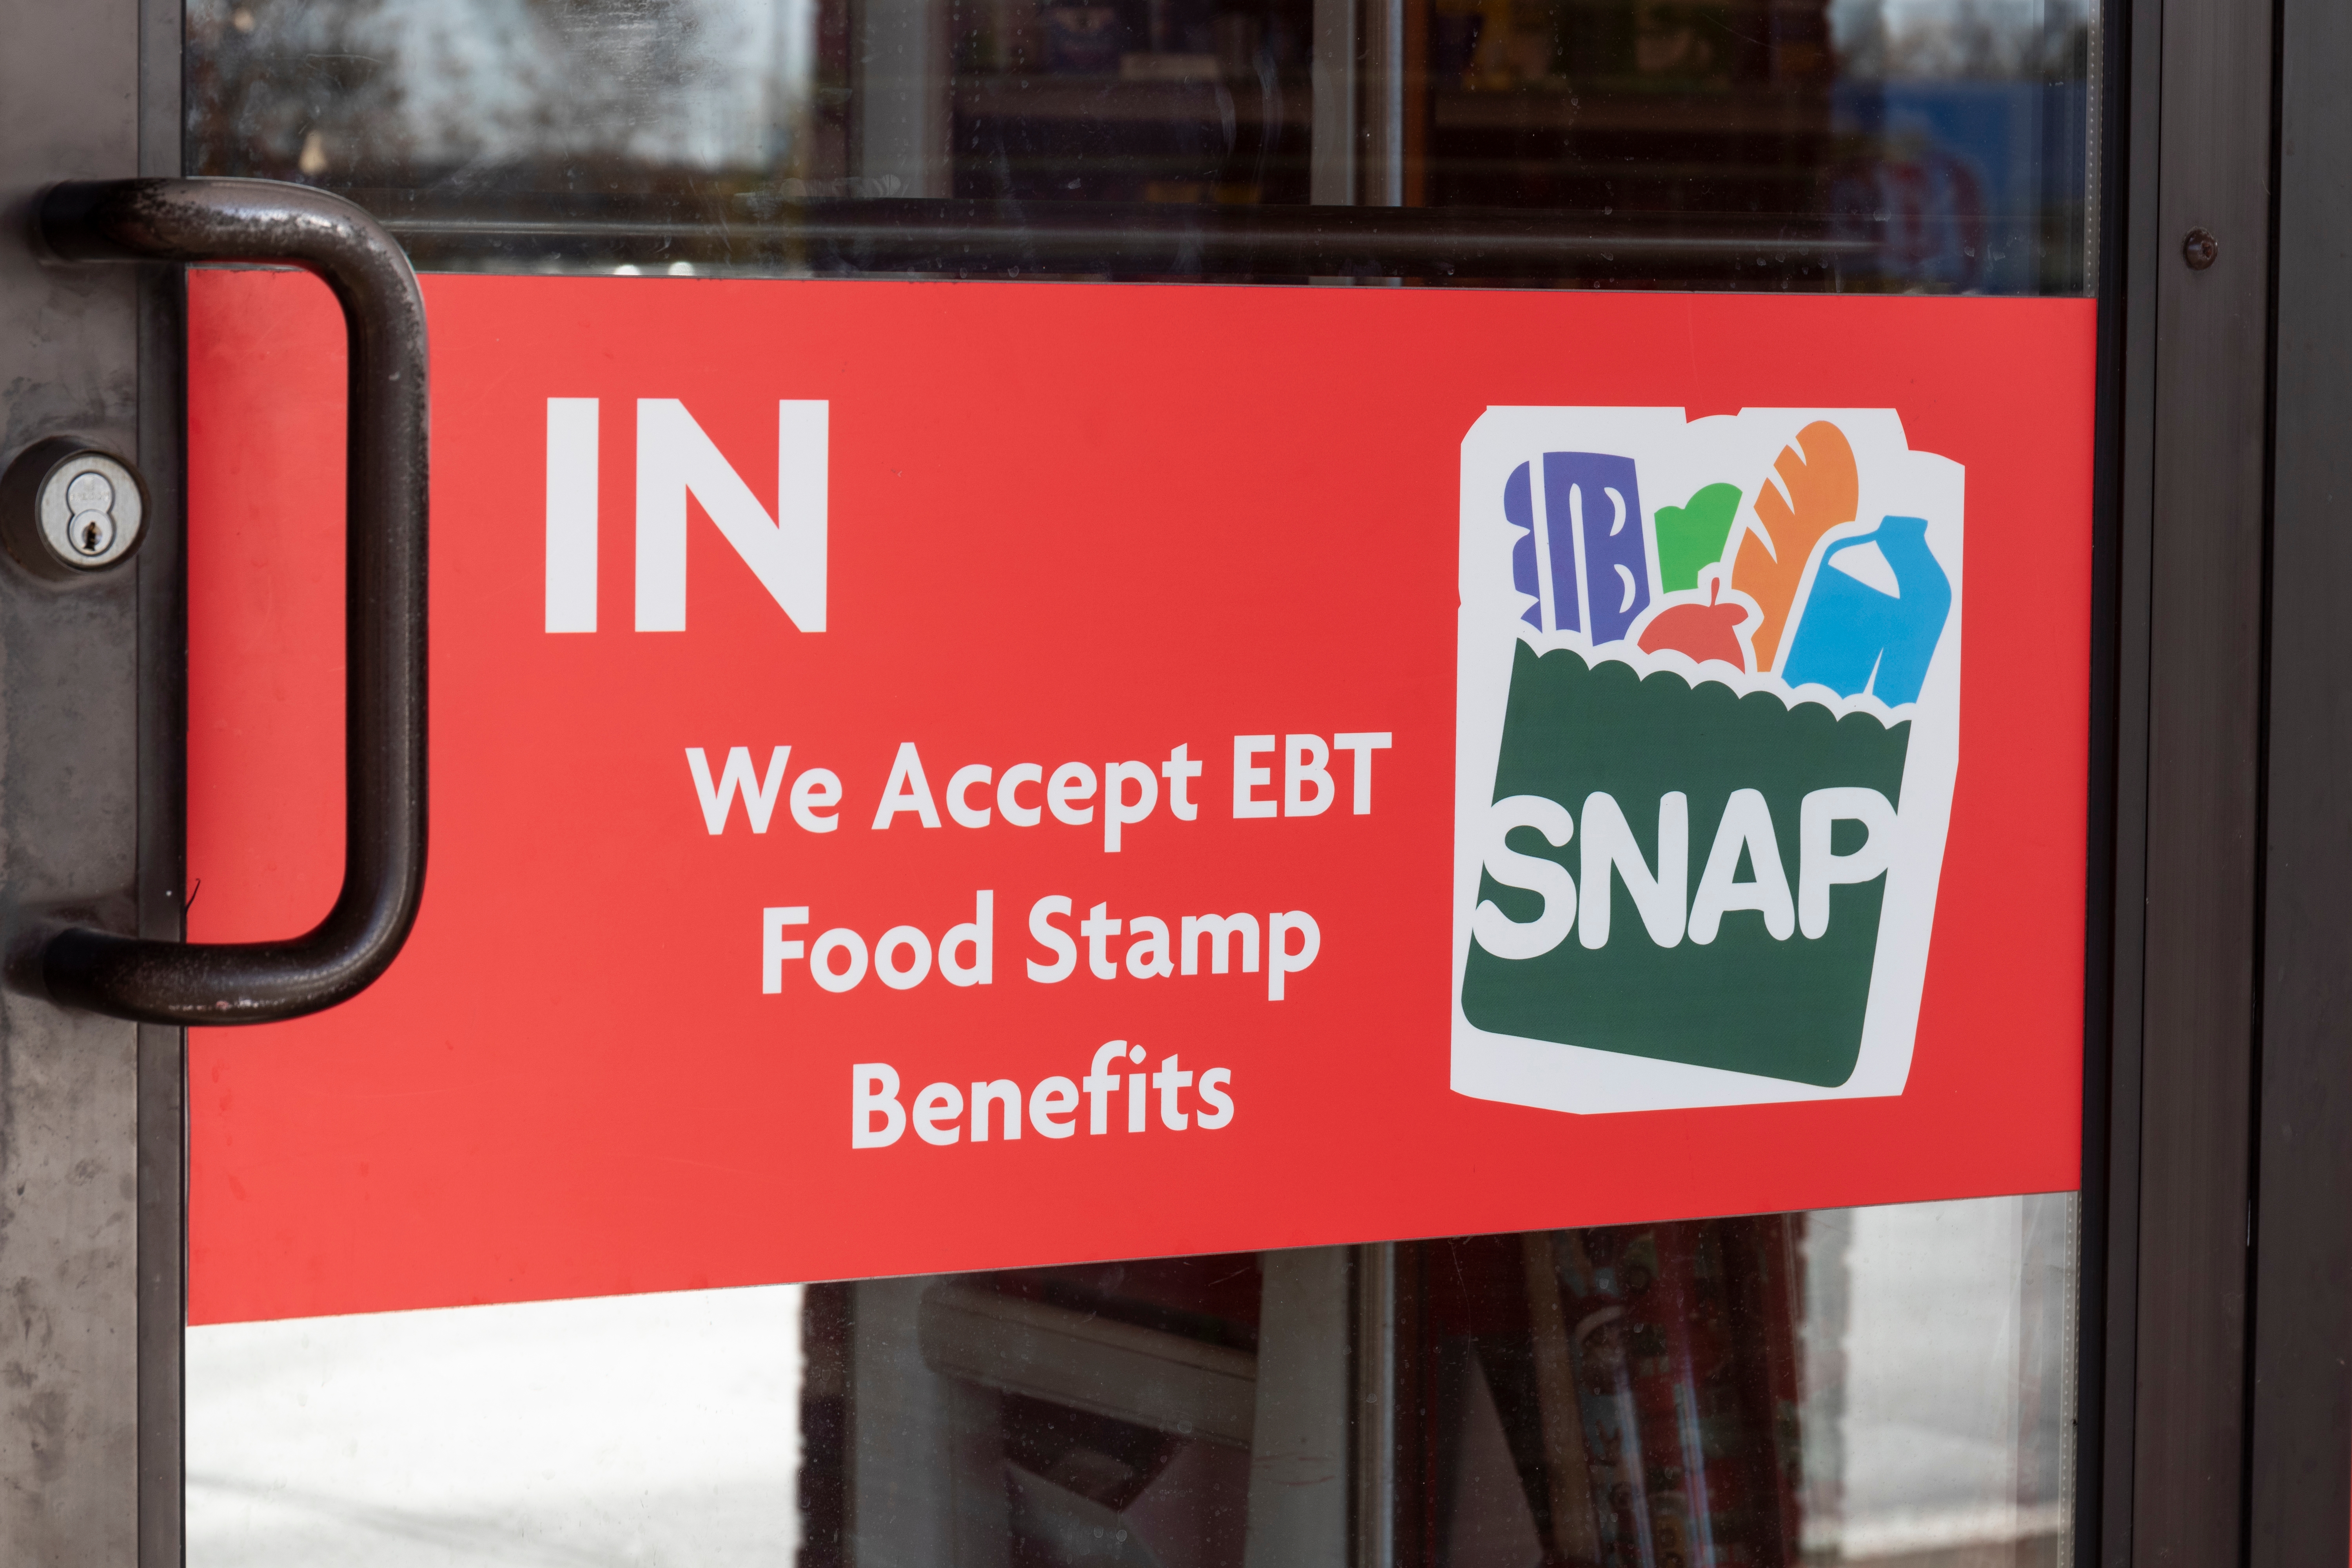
pixel 785 552
pixel 1708 728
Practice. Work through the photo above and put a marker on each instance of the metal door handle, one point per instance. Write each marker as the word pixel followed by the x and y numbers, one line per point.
pixel 383 594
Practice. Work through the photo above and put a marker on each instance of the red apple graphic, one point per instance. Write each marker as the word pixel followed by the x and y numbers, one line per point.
pixel 1707 633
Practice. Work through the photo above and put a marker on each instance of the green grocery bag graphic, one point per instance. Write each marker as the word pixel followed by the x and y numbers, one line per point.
pixel 1709 726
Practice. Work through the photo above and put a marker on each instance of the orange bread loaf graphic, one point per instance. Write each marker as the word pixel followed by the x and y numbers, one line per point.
pixel 1817 471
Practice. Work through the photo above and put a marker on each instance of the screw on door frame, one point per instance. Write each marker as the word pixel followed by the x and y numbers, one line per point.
pixel 2199 249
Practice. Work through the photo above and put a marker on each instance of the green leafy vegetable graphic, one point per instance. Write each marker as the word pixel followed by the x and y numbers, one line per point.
pixel 1692 535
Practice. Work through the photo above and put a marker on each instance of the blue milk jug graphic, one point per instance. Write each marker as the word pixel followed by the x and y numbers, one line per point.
pixel 1592 511
pixel 1855 638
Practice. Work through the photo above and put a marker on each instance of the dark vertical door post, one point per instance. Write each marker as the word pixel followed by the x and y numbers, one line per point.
pixel 2194 404
pixel 2301 1477
pixel 163 641
pixel 89 1231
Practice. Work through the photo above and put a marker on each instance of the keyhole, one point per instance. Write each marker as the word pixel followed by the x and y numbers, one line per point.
pixel 91 533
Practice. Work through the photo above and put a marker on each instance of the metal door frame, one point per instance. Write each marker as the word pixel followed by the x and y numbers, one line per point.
pixel 2215 1417
pixel 162 1155
pixel 2184 414
pixel 93 1145
pixel 2300 1443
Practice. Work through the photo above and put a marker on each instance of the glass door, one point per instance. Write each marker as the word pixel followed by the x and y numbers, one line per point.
pixel 1228 782
pixel 441 1316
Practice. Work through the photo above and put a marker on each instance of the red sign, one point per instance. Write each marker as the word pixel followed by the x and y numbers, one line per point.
pixel 936 776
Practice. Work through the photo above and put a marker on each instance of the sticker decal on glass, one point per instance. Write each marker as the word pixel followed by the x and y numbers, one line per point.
pixel 900 810
pixel 1705 754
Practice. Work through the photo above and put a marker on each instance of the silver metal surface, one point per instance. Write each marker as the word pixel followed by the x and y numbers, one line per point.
pixel 68 510
pixel 70 1337
pixel 90 512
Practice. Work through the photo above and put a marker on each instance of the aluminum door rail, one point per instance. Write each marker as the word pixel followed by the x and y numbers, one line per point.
pixel 384 600
pixel 999 238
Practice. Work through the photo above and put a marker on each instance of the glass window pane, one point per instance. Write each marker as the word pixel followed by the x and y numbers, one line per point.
pixel 1941 146
pixel 1878 1386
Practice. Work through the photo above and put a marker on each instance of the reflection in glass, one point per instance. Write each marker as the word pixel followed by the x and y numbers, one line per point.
pixel 1884 1386
pixel 1940 145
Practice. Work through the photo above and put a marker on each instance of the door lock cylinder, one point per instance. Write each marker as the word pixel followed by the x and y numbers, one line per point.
pixel 67 509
